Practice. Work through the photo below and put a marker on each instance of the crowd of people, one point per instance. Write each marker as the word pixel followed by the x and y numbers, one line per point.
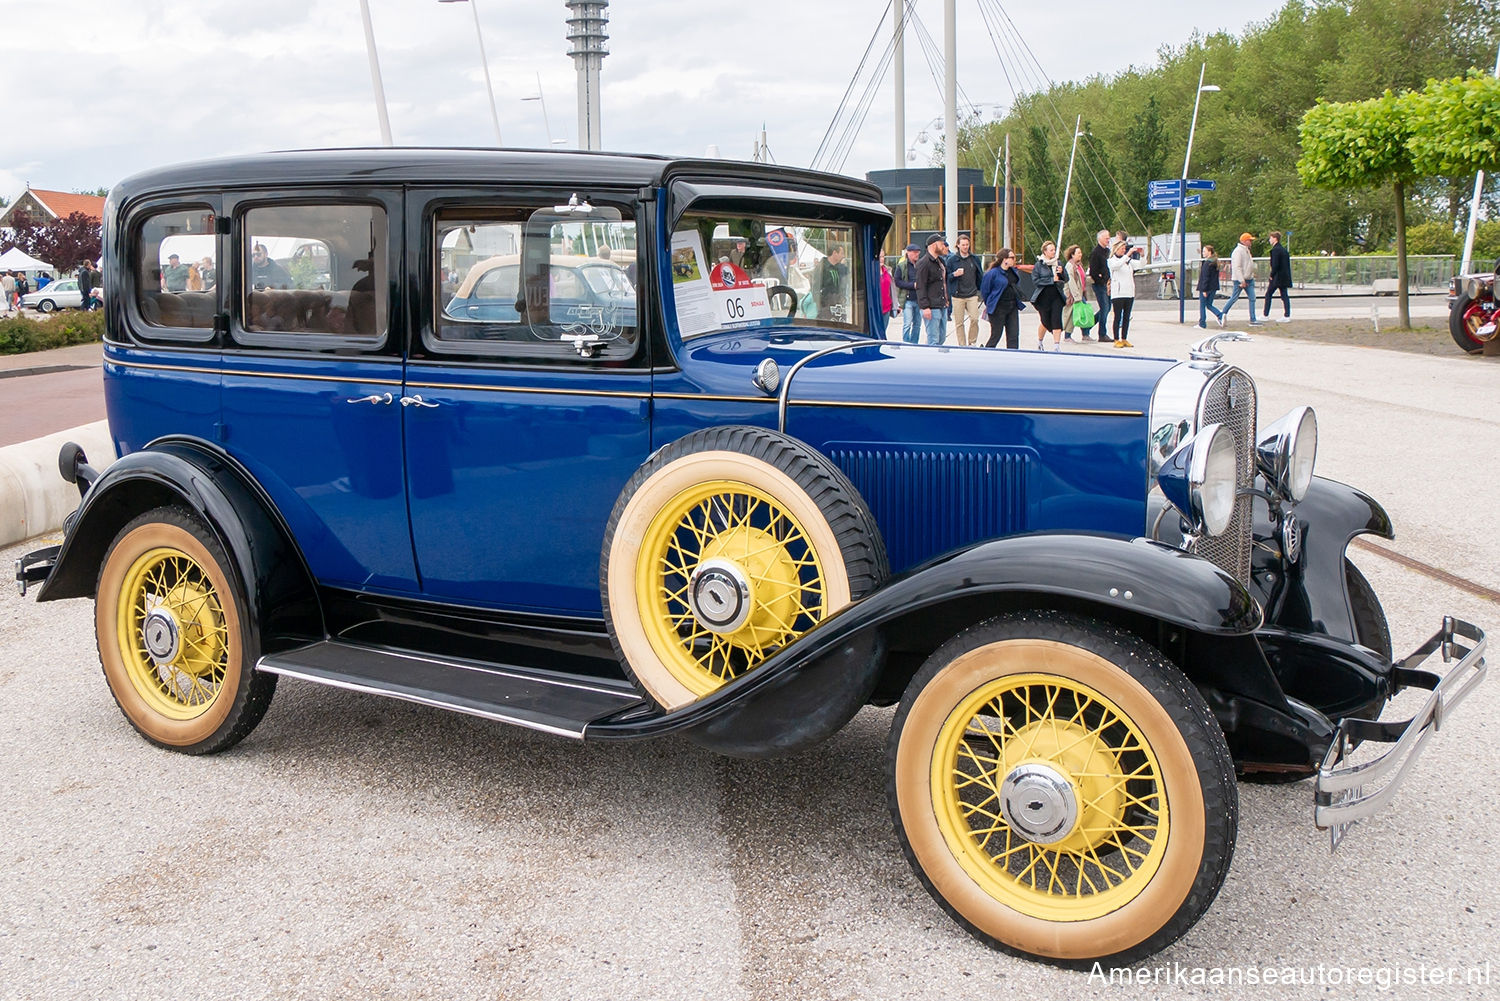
pixel 932 285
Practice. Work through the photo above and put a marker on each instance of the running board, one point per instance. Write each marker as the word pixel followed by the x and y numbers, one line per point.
pixel 553 703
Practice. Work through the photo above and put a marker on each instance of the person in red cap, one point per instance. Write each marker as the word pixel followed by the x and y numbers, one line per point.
pixel 1242 273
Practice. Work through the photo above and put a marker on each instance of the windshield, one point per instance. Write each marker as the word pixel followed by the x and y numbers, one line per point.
pixel 734 270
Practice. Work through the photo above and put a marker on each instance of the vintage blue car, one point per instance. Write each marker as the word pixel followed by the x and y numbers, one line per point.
pixel 1097 588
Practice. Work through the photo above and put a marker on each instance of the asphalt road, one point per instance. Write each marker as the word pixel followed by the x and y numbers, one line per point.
pixel 357 847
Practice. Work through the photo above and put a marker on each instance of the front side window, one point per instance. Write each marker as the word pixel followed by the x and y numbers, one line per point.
pixel 554 281
pixel 731 270
pixel 177 270
pixel 315 269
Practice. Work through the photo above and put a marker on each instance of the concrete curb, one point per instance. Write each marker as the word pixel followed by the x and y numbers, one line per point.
pixel 34 499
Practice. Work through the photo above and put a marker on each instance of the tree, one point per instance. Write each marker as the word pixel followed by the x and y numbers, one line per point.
pixel 1146 154
pixel 63 243
pixel 1456 126
pixel 1356 144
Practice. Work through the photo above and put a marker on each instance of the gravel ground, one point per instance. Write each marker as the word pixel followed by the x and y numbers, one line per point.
pixel 359 847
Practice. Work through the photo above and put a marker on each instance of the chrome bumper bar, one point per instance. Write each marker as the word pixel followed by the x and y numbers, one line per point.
pixel 1347 793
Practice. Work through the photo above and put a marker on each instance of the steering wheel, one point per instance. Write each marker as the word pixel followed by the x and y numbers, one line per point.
pixel 791 296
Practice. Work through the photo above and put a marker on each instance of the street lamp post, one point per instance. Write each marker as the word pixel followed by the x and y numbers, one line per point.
pixel 546 122
pixel 489 88
pixel 380 110
pixel 1179 219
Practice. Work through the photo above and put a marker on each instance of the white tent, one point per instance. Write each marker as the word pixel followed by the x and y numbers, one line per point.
pixel 15 259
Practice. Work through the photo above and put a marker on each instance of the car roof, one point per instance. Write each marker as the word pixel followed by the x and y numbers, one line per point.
pixel 481 268
pixel 404 164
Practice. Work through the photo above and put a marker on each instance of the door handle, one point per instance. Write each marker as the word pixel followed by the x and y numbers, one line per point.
pixel 372 398
pixel 415 401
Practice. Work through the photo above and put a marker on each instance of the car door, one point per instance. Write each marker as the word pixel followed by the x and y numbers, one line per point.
pixel 527 401
pixel 312 378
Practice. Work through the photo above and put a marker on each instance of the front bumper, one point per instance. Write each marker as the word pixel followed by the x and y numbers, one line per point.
pixel 34 568
pixel 1347 793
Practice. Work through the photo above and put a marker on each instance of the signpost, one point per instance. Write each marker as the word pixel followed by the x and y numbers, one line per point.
pixel 1173 194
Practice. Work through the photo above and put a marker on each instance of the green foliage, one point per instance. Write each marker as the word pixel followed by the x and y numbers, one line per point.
pixel 1146 159
pixel 1355 144
pixel 1248 134
pixel 19 334
pixel 1456 125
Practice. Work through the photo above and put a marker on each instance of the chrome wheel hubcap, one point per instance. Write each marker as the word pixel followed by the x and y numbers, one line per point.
pixel 719 595
pixel 1039 803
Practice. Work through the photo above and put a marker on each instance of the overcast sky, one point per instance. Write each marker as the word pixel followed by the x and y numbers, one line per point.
pixel 95 90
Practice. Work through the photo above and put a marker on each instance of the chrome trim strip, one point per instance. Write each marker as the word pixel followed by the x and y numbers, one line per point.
pixel 976 408
pixel 711 398
pixel 419 700
pixel 538 390
pixel 163 368
pixel 1340 797
pixel 253 374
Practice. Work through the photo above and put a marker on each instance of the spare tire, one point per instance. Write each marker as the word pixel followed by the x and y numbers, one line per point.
pixel 724 547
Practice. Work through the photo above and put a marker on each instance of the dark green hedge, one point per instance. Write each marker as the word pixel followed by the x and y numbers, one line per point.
pixel 19 334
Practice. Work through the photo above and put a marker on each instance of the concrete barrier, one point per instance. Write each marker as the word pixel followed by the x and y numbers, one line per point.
pixel 34 499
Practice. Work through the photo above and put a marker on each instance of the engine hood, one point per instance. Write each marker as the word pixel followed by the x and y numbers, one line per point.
pixel 889 373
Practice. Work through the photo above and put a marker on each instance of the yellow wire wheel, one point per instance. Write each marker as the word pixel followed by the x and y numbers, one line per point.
pixel 171 642
pixel 724 549
pixel 1062 789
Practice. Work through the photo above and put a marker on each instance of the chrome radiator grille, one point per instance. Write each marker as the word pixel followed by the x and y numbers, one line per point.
pixel 1229 399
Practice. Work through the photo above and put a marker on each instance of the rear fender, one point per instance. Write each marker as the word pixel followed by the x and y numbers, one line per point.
pixel 278 595
pixel 807 691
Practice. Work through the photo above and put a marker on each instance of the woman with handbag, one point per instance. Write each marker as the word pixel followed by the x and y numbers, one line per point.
pixel 1046 295
pixel 1077 295
pixel 1001 302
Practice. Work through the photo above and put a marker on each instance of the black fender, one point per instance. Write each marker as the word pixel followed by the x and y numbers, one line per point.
pixel 280 602
pixel 1312 595
pixel 808 690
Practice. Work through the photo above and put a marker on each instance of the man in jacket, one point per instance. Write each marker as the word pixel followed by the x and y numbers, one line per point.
pixel 904 276
pixel 1099 278
pixel 964 273
pixel 1280 279
pixel 1242 274
pixel 932 289
pixel 86 286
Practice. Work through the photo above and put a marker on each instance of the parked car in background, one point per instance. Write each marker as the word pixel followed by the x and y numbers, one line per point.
pixel 62 294
pixel 589 293
pixel 1098 588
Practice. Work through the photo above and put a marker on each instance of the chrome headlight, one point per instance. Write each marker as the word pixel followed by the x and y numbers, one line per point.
pixel 1287 452
pixel 1199 479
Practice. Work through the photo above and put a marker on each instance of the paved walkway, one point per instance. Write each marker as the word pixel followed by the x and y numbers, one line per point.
pixel 47 391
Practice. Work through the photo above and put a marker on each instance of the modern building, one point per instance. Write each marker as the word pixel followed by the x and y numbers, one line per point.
pixel 915 198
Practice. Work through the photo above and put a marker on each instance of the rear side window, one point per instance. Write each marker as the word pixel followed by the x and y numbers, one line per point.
pixel 315 269
pixel 177 269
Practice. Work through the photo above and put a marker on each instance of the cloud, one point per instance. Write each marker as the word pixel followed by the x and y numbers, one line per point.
pixel 128 86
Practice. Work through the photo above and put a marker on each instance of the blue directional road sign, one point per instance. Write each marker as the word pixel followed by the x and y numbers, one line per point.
pixel 1163 187
pixel 1157 202
pixel 1196 184
pixel 1193 200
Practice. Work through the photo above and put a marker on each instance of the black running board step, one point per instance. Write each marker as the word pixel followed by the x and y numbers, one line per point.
pixel 553 703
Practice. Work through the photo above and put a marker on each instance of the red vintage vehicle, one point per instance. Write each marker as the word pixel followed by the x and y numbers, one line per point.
pixel 1472 310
